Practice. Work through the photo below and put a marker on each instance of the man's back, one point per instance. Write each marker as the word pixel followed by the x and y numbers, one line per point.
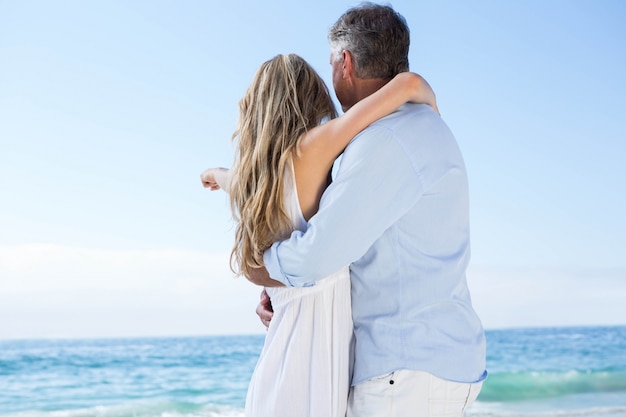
pixel 411 305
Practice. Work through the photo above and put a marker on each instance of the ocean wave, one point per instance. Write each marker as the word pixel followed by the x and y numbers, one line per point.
pixel 588 412
pixel 167 409
pixel 516 386
pixel 190 410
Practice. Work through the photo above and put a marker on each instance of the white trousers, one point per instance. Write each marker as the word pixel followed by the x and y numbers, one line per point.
pixel 406 393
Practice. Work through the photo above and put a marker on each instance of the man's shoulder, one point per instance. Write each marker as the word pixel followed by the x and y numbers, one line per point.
pixel 410 119
pixel 407 114
pixel 411 125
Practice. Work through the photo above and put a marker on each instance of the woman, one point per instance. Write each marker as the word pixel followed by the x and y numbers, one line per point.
pixel 283 159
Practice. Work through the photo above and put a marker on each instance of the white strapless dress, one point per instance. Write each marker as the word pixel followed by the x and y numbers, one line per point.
pixel 305 366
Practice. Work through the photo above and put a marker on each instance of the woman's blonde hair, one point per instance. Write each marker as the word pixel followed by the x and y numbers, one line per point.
pixel 286 99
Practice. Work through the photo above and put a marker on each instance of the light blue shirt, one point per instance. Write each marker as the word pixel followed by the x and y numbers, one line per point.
pixel 398 212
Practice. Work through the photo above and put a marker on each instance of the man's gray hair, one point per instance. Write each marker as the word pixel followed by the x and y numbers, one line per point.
pixel 376 36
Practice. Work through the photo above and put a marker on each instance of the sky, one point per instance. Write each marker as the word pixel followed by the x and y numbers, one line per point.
pixel 110 110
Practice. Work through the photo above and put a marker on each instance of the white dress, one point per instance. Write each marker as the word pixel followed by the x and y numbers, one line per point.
pixel 305 366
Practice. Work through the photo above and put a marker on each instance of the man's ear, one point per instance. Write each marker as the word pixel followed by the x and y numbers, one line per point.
pixel 347 67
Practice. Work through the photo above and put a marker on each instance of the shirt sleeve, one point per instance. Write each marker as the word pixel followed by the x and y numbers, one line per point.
pixel 376 184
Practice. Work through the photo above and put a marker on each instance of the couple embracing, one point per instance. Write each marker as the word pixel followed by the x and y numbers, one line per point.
pixel 366 300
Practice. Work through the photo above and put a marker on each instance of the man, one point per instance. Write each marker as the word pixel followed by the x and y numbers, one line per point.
pixel 397 211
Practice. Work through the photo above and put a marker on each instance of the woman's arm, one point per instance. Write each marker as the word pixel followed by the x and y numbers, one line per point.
pixel 325 142
pixel 216 178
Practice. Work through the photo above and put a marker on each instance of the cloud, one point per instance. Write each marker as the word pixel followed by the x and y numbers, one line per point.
pixel 541 296
pixel 61 291
pixel 53 267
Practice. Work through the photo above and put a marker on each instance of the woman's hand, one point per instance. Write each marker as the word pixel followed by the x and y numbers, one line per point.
pixel 215 178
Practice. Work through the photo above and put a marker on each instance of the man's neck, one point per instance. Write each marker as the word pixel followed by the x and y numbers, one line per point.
pixel 364 88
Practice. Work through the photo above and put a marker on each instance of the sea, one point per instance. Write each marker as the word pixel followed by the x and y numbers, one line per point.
pixel 541 372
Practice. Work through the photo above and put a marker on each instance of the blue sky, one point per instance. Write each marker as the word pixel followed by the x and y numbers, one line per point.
pixel 109 111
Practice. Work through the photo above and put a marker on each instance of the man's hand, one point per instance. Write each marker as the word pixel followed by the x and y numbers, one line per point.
pixel 264 310
pixel 260 276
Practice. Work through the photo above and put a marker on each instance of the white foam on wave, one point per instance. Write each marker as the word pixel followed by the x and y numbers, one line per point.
pixel 139 410
pixel 511 410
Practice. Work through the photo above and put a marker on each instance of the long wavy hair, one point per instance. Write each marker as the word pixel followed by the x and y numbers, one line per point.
pixel 286 99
